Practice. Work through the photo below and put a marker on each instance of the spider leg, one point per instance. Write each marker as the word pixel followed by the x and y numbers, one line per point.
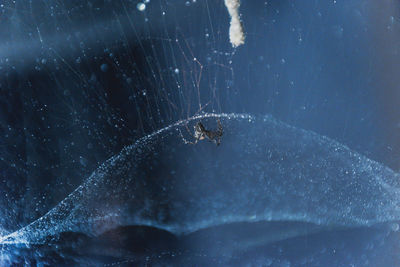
pixel 201 109
pixel 186 141
pixel 220 130
pixel 187 129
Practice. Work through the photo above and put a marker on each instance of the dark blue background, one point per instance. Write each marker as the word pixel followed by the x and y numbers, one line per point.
pixel 81 80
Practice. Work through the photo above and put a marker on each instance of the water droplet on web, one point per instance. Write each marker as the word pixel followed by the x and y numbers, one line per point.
pixel 141 6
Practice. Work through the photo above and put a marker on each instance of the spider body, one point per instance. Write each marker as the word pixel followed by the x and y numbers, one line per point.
pixel 201 133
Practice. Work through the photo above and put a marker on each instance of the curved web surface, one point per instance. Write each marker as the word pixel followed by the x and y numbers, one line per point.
pixel 95 96
pixel 282 174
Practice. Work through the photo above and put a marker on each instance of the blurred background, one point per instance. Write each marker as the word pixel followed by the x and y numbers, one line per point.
pixel 80 80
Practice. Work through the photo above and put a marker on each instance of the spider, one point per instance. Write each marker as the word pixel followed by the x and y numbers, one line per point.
pixel 200 133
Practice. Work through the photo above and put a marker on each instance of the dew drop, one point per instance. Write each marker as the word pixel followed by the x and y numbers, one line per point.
pixel 141 6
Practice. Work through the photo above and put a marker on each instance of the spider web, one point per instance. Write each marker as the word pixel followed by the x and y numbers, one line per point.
pixel 84 80
pixel 96 76
pixel 169 195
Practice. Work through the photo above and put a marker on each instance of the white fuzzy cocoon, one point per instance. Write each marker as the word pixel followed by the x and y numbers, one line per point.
pixel 236 34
